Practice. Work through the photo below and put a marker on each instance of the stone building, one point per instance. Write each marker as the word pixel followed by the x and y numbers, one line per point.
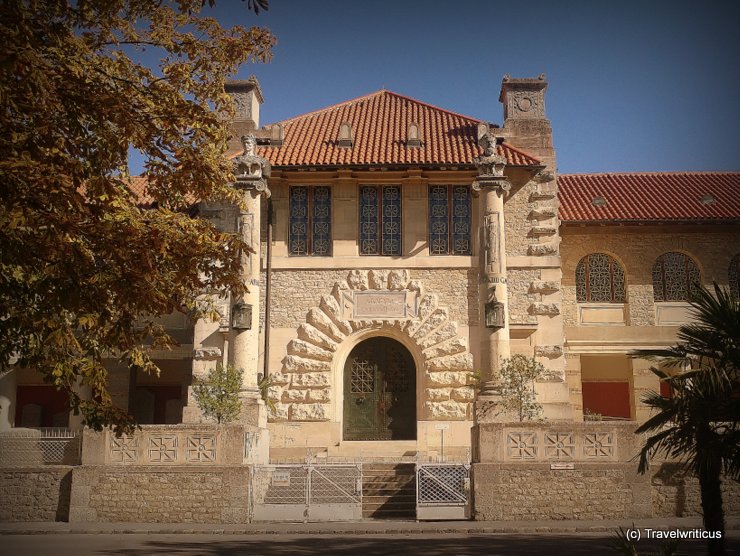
pixel 391 225
pixel 402 252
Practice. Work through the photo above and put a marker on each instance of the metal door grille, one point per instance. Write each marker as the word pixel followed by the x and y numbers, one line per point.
pixel 307 492
pixel 443 491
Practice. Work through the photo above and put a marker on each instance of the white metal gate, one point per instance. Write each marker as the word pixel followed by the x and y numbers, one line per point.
pixel 307 492
pixel 442 491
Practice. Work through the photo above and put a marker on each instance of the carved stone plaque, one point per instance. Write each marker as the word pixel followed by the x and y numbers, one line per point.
pixel 380 305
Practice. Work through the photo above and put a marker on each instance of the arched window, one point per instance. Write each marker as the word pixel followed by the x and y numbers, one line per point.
pixel 675 277
pixel 734 273
pixel 599 278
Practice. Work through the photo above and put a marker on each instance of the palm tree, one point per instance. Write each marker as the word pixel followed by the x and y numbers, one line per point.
pixel 698 423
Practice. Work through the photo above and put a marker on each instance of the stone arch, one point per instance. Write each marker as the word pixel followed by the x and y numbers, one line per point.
pixel 306 390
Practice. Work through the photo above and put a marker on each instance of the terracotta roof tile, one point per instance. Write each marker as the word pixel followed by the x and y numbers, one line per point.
pixel 137 184
pixel 658 196
pixel 380 124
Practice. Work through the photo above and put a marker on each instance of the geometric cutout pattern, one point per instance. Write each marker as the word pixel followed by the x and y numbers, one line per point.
pixel 559 445
pixel 380 220
pixel 675 277
pixel 442 484
pixel 201 449
pixel 309 229
pixel 124 449
pixel 522 445
pixel 599 279
pixel 397 372
pixel 162 449
pixel 598 445
pixel 450 217
pixel 362 378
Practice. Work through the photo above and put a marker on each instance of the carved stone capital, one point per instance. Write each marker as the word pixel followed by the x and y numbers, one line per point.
pixel 258 185
pixel 491 183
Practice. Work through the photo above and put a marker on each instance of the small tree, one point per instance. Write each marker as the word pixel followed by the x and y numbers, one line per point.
pixel 218 394
pixel 517 377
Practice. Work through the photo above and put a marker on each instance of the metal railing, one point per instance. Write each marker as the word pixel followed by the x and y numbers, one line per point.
pixel 42 446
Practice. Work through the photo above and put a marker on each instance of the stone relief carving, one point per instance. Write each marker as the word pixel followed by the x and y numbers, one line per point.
pixel 251 170
pixel 493 261
pixel 162 449
pixel 522 445
pixel 243 106
pixel 124 449
pixel 527 104
pixel 302 390
pixel 598 445
pixel 200 449
pixel 545 309
pixel 541 249
pixel 559 445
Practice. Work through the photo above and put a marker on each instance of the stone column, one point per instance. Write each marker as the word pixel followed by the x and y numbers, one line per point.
pixel 251 171
pixel 7 399
pixel 491 186
pixel 245 341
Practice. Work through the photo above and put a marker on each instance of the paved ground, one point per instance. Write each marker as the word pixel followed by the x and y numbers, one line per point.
pixel 451 544
pixel 359 538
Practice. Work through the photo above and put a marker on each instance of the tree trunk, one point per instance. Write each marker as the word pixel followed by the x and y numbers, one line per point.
pixel 711 503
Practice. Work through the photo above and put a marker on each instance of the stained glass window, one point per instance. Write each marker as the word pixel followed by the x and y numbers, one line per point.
pixel 599 279
pixel 449 220
pixel 675 277
pixel 734 275
pixel 309 230
pixel 380 220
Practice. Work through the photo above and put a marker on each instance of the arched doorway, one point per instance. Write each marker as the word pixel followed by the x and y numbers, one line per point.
pixel 379 392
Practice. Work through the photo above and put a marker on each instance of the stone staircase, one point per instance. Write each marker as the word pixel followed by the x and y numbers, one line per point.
pixel 389 491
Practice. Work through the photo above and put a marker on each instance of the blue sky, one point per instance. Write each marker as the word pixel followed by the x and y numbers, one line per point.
pixel 633 85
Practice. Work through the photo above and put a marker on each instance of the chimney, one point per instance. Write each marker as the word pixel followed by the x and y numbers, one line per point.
pixel 523 98
pixel 247 97
pixel 525 123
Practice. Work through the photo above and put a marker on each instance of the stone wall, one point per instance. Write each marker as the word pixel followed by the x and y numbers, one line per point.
pixel 521 296
pixel 637 249
pixel 677 495
pixel 302 390
pixel 534 491
pixel 35 494
pixel 295 292
pixel 148 494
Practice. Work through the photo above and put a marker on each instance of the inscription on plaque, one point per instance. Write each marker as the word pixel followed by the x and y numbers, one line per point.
pixel 379 305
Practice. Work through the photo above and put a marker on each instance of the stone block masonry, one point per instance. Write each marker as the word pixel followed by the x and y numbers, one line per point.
pixel 35 494
pixel 148 494
pixel 534 491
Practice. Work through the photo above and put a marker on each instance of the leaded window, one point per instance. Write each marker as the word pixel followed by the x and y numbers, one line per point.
pixel 310 221
pixel 734 275
pixel 675 277
pixel 380 220
pixel 599 279
pixel 450 214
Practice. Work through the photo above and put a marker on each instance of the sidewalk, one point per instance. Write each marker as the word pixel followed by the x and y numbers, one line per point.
pixel 368 527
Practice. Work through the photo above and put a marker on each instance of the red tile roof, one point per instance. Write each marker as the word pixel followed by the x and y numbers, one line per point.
pixel 380 124
pixel 137 184
pixel 658 196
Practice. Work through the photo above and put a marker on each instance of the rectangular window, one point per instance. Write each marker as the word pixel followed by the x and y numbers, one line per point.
pixel 380 220
pixel 310 221
pixel 449 220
